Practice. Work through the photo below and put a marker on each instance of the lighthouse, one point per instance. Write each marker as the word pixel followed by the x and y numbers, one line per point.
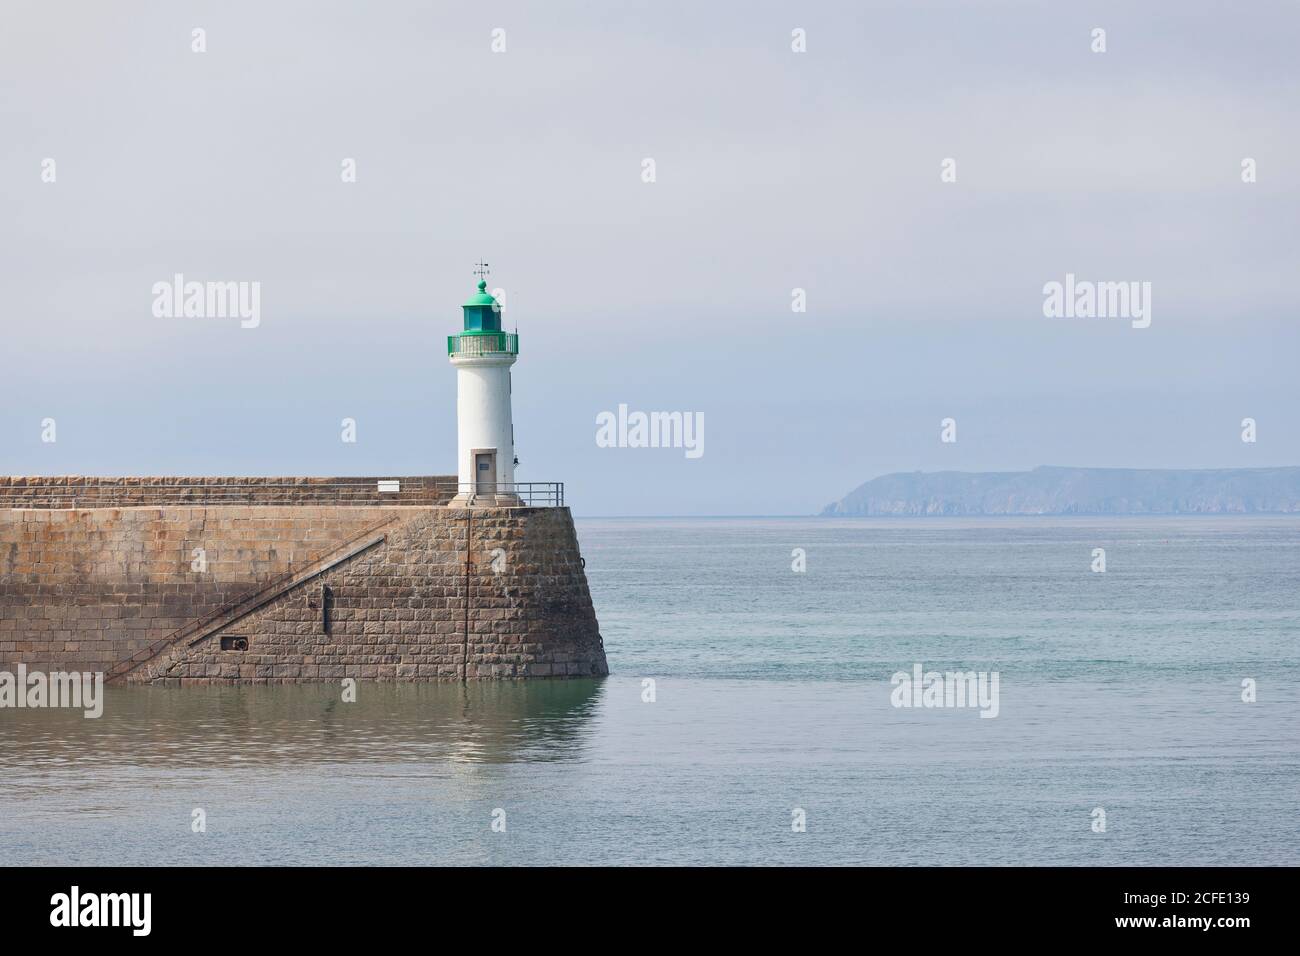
pixel 485 435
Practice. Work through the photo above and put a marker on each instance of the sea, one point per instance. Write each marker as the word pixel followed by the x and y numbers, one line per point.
pixel 1147 713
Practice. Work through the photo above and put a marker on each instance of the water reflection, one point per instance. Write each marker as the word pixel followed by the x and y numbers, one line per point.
pixel 206 727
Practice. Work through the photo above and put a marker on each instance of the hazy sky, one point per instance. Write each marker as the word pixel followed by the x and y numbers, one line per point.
pixel 775 170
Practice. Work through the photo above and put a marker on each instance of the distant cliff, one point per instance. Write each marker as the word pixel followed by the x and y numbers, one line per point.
pixel 1064 491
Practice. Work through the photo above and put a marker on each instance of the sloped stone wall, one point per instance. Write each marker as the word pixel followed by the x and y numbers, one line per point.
pixel 85 589
pixel 410 609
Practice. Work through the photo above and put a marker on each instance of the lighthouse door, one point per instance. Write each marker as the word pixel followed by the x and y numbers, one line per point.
pixel 485 472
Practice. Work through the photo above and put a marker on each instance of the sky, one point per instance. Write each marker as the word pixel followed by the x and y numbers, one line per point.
pixel 774 170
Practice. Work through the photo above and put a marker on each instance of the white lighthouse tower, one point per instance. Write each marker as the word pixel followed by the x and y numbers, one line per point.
pixel 485 434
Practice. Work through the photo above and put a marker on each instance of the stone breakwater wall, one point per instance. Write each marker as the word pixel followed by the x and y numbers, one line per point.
pixel 77 491
pixel 290 593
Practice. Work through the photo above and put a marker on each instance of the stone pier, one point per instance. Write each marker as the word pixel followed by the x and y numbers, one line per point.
pixel 305 580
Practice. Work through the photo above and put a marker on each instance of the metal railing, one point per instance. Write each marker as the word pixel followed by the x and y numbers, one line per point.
pixel 530 494
pixel 483 343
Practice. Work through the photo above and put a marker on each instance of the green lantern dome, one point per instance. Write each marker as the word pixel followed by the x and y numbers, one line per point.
pixel 482 298
pixel 482 313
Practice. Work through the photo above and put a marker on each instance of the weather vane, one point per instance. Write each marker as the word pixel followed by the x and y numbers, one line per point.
pixel 481 270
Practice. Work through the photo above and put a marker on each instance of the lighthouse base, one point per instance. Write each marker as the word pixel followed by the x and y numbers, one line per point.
pixel 485 500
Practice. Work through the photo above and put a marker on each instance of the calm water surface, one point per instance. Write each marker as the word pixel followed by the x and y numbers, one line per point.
pixel 1119 690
